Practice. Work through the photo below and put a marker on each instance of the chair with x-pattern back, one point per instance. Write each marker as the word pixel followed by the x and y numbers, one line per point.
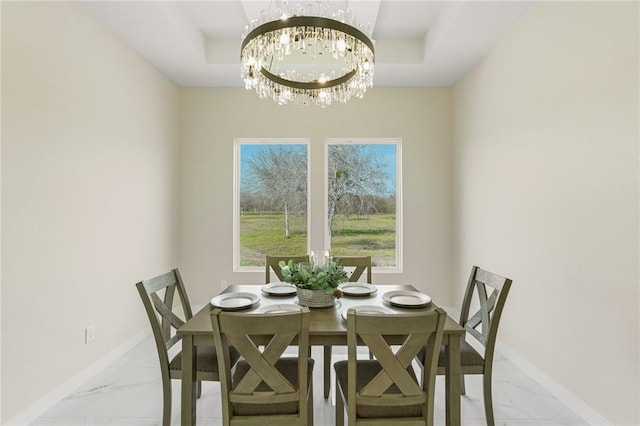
pixel 265 388
pixel 167 305
pixel 360 265
pixel 385 391
pixel 490 291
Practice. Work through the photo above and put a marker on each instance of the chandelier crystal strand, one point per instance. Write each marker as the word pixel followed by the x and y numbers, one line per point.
pixel 343 57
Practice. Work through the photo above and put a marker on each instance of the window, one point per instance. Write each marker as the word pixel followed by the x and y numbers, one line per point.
pixel 363 203
pixel 270 199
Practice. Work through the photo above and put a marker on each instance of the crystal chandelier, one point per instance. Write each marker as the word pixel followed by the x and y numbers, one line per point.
pixel 317 58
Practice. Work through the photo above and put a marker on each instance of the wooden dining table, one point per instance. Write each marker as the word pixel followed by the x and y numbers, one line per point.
pixel 326 327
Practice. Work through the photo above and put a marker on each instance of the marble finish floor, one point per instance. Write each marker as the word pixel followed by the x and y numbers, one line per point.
pixel 128 393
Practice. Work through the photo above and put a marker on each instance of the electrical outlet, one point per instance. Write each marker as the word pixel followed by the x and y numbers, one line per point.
pixel 89 333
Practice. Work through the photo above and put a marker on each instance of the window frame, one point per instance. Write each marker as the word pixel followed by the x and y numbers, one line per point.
pixel 237 144
pixel 397 141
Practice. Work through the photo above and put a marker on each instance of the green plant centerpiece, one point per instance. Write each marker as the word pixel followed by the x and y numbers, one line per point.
pixel 317 285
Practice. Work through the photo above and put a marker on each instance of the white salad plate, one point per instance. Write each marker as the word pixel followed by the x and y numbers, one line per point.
pixel 357 289
pixel 280 309
pixel 367 309
pixel 234 301
pixel 279 289
pixel 406 299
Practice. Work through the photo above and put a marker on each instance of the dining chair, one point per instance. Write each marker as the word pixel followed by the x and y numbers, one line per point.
pixel 490 292
pixel 265 388
pixel 385 391
pixel 167 305
pixel 360 265
pixel 355 267
pixel 273 264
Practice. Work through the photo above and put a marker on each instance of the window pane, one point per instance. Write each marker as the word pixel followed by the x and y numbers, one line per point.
pixel 272 201
pixel 362 201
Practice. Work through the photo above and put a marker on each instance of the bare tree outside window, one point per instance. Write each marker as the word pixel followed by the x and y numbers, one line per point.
pixel 273 201
pixel 361 201
pixel 356 178
pixel 277 176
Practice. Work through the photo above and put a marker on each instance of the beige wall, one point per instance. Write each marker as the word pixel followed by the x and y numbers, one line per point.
pixel 89 193
pixel 212 118
pixel 546 192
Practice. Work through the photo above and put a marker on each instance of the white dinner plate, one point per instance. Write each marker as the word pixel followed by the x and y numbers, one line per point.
pixel 280 309
pixel 406 299
pixel 234 301
pixel 367 309
pixel 279 289
pixel 357 289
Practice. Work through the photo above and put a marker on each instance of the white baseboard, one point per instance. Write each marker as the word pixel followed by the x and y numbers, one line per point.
pixel 556 389
pixel 52 398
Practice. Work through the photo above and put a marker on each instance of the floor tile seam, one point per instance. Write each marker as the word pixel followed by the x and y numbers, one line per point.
pixel 95 417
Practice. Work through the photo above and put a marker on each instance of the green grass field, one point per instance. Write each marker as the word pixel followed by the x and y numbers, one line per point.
pixel 372 235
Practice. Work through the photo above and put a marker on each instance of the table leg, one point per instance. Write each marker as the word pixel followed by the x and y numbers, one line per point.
pixel 188 382
pixel 452 380
pixel 327 370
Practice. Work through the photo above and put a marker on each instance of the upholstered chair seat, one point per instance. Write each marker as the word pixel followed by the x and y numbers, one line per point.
pixel 288 367
pixel 367 370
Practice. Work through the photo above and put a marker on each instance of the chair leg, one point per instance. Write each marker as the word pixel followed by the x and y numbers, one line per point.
pixel 327 371
pixel 166 402
pixel 339 406
pixel 488 402
pixel 463 391
pixel 198 388
pixel 310 407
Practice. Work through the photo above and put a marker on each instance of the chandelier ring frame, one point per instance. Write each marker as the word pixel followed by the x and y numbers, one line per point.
pixel 313 85
pixel 311 22
pixel 308 21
